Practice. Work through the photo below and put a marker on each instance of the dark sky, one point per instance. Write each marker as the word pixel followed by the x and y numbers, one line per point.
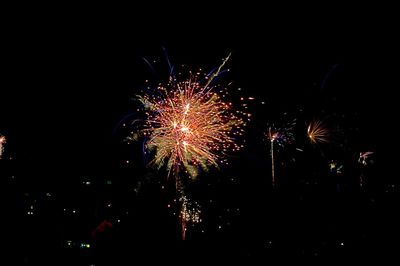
pixel 67 79
pixel 68 76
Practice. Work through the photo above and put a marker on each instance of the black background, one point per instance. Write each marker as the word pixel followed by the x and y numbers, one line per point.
pixel 68 79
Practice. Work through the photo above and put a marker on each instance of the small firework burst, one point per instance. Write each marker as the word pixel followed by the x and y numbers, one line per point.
pixel 281 135
pixel 335 167
pixel 317 132
pixel 364 158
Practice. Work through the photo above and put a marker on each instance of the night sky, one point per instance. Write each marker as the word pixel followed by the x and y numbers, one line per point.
pixel 69 82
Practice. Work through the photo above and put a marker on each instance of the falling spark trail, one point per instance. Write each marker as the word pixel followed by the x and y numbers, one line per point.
pixel 278 137
pixel 272 163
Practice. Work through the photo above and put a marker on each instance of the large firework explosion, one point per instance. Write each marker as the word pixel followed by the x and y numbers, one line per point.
pixel 189 125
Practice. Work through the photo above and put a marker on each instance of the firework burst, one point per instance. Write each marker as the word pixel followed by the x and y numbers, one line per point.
pixel 189 126
pixel 364 157
pixel 317 132
pixel 279 136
